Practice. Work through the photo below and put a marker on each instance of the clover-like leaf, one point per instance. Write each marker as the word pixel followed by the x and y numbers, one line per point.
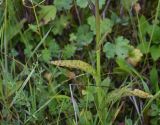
pixel 84 35
pixel 105 25
pixel 122 47
pixel 109 50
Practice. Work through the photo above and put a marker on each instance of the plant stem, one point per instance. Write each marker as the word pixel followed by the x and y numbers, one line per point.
pixel 5 38
pixel 98 63
pixel 98 51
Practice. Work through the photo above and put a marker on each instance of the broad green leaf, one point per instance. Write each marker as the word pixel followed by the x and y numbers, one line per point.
pixel 46 55
pixel 106 25
pixel 63 4
pixel 143 25
pixel 109 50
pixel 82 3
pixel 155 52
pixel 68 51
pixel 154 78
pixel 153 32
pixel 121 47
pixel 84 35
pixel 78 64
pixel 47 13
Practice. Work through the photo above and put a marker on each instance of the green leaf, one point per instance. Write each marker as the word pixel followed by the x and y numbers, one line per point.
pixel 154 78
pixel 155 52
pixel 115 18
pixel 106 83
pixel 128 121
pixel 46 55
pixel 143 25
pixel 105 25
pixel 82 3
pixel 60 24
pixel 28 50
pixel 84 35
pixel 123 66
pixel 109 50
pixel 155 34
pixel 89 93
pixel 122 47
pixel 63 4
pixel 68 51
pixel 47 13
pixel 54 48
pixel 72 37
pixel 91 21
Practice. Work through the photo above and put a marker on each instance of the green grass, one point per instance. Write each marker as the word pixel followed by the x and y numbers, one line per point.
pixel 93 82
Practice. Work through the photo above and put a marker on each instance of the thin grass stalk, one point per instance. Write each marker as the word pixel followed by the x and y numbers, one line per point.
pixel 5 38
pixel 98 51
pixel 98 62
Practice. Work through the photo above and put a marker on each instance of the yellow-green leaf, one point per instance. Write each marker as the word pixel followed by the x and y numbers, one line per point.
pixel 78 64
